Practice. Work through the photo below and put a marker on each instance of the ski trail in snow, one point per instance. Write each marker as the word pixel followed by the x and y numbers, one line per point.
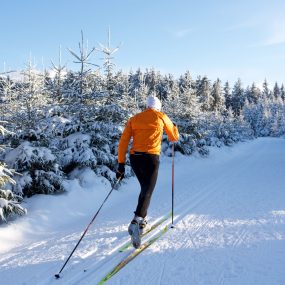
pixel 229 228
pixel 161 273
pixel 224 245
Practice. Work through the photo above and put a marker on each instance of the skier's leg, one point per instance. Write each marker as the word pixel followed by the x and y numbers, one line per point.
pixel 146 169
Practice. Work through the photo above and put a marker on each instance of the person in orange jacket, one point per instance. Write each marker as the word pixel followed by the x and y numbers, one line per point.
pixel 146 129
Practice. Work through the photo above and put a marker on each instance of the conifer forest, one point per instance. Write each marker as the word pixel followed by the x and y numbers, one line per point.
pixel 57 120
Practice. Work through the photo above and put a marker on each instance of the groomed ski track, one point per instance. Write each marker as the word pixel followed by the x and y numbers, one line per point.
pixel 229 217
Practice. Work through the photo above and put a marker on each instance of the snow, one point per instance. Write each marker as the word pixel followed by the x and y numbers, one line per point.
pixel 74 138
pixel 29 152
pixel 229 225
pixel 3 203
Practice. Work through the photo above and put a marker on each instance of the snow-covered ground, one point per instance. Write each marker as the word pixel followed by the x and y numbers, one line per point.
pixel 229 216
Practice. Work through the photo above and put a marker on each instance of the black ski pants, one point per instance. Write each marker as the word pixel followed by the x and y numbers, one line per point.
pixel 145 167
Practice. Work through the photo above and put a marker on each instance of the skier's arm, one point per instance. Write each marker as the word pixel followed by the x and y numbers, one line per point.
pixel 124 142
pixel 170 129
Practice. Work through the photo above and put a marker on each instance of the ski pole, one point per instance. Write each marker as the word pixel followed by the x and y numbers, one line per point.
pixel 87 228
pixel 172 211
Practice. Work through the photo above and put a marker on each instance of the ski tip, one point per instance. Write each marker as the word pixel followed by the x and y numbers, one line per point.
pixel 57 276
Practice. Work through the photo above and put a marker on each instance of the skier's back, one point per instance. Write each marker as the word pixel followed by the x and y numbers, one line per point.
pixel 146 130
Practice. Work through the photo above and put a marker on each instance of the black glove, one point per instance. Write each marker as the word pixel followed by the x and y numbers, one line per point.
pixel 121 171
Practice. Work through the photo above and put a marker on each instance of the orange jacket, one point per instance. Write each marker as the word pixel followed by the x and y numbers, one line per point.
pixel 146 129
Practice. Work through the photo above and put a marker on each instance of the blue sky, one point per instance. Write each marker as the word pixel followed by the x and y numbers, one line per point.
pixel 229 39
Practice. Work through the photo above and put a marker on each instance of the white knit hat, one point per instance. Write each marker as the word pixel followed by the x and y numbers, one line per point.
pixel 153 102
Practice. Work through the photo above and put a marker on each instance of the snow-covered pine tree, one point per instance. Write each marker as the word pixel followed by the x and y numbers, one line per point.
pixel 77 104
pixel 218 105
pixel 83 58
pixel 186 82
pixel 278 118
pixel 122 89
pixel 9 106
pixel 190 107
pixel 266 92
pixel 173 105
pixel 141 95
pixel 104 144
pixel 60 72
pixel 40 173
pixel 165 86
pixel 31 100
pixel 7 87
pixel 9 201
pixel 227 95
pixel 203 87
pixel 253 94
pixel 109 68
pixel 259 117
pixel 76 152
pixel 151 79
pixel 276 91
pixel 136 82
pixel 282 92
pixel 183 107
pixel 238 99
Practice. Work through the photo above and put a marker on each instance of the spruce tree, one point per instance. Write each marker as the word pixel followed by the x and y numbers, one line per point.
pixel 218 104
pixel 9 201
pixel 108 64
pixel 282 93
pixel 60 72
pixel 227 95
pixel 276 91
pixel 204 93
pixel 254 94
pixel 238 99
pixel 266 92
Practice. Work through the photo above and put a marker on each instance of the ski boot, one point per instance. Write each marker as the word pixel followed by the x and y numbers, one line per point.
pixel 135 230
pixel 144 227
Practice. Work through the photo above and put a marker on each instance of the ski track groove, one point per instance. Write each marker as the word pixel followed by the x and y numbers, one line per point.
pixel 241 236
pixel 161 274
pixel 113 260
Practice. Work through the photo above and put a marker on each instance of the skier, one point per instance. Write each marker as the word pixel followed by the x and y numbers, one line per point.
pixel 146 130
